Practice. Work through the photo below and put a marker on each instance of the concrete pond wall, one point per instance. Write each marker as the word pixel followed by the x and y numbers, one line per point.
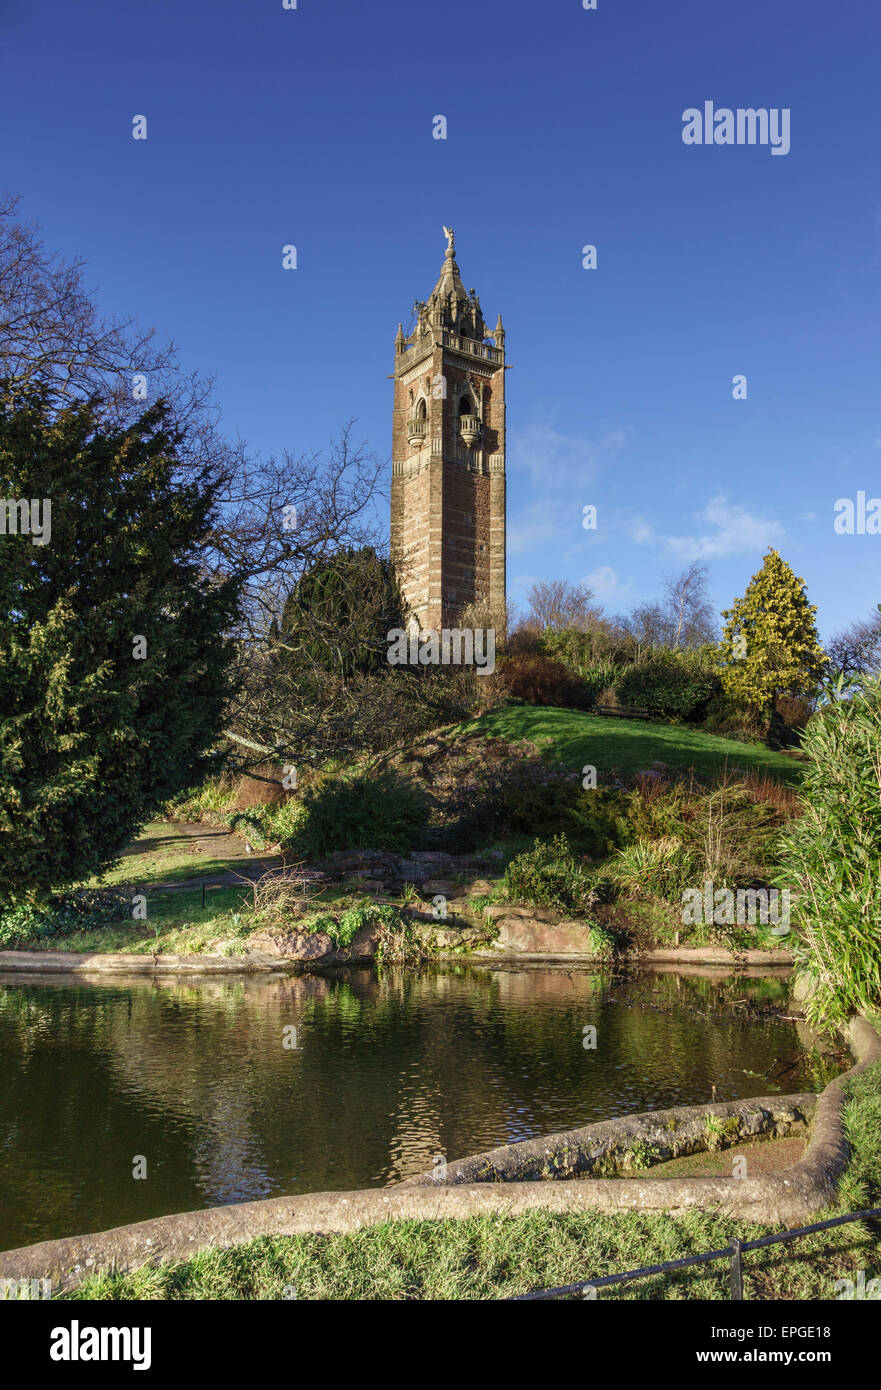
pixel 632 1142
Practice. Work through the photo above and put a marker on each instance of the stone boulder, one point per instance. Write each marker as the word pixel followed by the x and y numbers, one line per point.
pixel 494 912
pixel 291 944
pixel 537 936
pixel 477 888
pixel 446 936
pixel 288 943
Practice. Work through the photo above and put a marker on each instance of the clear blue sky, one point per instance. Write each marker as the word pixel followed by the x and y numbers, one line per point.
pixel 313 126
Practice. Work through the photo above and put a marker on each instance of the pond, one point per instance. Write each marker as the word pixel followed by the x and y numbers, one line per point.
pixel 198 1082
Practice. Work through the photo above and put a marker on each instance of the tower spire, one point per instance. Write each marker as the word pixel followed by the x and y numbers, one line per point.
pixel 449 281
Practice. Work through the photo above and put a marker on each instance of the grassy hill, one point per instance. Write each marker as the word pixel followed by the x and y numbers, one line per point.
pixel 572 738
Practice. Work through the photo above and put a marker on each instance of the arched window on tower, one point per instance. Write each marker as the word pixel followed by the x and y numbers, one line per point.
pixel 421 409
pixel 465 406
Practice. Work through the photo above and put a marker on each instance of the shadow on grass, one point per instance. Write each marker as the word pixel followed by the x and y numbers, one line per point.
pixel 571 738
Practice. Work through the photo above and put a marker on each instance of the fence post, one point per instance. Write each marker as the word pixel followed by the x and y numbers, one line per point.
pixel 736 1270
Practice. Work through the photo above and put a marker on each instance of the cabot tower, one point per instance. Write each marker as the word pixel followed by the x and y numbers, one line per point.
pixel 448 457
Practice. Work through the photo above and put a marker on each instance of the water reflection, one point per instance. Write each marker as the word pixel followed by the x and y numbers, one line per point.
pixel 390 1070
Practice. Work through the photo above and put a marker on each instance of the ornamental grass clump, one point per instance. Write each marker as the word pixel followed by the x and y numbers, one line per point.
pixel 831 856
pixel 655 868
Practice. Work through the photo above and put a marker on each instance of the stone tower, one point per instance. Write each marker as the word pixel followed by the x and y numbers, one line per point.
pixel 448 457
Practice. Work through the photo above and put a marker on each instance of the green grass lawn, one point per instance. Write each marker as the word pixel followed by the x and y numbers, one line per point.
pixel 163 853
pixel 571 739
pixel 491 1257
pixel 177 923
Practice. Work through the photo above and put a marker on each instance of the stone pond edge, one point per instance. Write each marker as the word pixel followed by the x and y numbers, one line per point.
pixel 790 1196
pixel 123 963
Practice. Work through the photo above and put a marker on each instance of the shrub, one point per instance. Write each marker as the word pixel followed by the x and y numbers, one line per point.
pixel 732 835
pixel 524 641
pixel 598 821
pixel 216 796
pixel 398 941
pixel 580 648
pixel 656 808
pixel 280 897
pixel 730 831
pixel 607 697
pixel 586 655
pixel 794 710
pixel 675 686
pixel 548 875
pixel 524 805
pixel 831 856
pixel 604 943
pixel 729 720
pixel 600 677
pixel 520 804
pixel 281 824
pixel 62 914
pixel 251 828
pixel 383 810
pixel 539 680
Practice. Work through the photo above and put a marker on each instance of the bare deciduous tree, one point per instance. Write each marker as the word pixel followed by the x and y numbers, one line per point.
pixel 691 616
pixel 856 649
pixel 648 624
pixel 557 604
pixel 684 617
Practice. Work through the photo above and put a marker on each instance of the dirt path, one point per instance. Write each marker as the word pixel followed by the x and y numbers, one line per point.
pixel 216 843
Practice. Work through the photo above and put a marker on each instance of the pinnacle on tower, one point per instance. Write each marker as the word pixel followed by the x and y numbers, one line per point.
pixel 449 281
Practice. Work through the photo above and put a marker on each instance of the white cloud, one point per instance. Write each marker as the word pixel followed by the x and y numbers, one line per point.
pixel 602 581
pixel 641 532
pixel 545 523
pixel 733 530
pixel 554 459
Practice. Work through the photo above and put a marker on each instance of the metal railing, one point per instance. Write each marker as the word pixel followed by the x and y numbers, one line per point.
pixel 733 1253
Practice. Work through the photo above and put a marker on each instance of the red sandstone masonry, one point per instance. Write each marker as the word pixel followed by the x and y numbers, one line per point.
pixel 445 561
